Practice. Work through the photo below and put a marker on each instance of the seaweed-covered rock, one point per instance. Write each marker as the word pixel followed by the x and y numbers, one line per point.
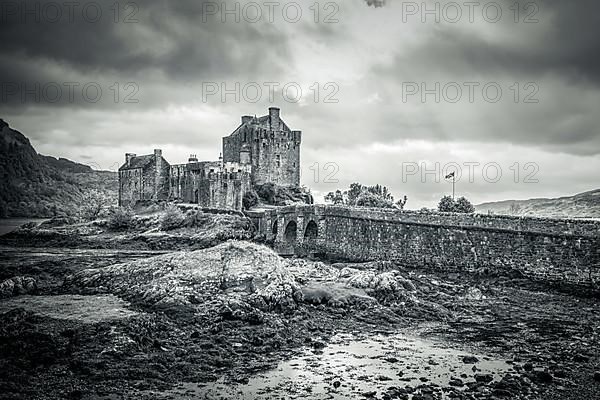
pixel 387 281
pixel 228 272
pixel 17 285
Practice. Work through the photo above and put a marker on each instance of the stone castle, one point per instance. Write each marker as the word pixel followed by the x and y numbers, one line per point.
pixel 260 150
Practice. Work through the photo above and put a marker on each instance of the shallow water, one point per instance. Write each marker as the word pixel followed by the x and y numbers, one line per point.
pixel 355 366
pixel 8 225
pixel 86 309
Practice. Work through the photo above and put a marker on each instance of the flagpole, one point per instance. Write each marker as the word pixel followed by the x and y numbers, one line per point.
pixel 453 180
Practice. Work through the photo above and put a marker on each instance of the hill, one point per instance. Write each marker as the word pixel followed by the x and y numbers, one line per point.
pixel 34 185
pixel 582 205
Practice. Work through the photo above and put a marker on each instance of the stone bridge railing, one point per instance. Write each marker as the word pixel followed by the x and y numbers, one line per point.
pixel 557 249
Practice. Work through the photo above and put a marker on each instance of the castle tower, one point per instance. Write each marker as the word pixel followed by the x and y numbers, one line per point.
pixel 274 149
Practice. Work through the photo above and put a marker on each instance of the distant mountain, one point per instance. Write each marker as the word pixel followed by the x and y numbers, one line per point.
pixel 583 205
pixel 34 185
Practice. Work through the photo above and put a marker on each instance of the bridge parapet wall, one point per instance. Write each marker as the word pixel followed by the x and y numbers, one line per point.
pixel 550 249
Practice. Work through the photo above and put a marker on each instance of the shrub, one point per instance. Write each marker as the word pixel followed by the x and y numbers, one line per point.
pixel 250 199
pixel 121 218
pixel 368 199
pixel 462 205
pixel 446 204
pixel 173 218
pixel 267 192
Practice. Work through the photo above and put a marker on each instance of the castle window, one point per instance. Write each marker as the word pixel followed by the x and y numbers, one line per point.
pixel 278 160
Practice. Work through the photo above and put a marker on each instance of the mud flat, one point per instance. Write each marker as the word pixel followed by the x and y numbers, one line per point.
pixel 351 367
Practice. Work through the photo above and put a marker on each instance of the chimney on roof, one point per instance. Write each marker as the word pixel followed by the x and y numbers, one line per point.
pixel 128 158
pixel 274 118
pixel 246 118
pixel 193 158
pixel 158 152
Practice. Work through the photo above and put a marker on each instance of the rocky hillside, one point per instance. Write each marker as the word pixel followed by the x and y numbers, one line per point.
pixel 33 185
pixel 583 205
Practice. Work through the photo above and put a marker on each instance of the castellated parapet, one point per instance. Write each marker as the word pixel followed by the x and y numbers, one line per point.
pixel 261 150
pixel 212 184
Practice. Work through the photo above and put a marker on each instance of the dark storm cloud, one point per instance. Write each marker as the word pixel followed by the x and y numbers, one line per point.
pixel 174 38
pixel 570 45
pixel 560 55
pixel 161 59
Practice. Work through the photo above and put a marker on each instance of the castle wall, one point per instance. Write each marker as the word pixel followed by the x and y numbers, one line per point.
pixel 278 158
pixel 144 184
pixel 211 184
pixel 556 250
pixel 162 169
pixel 130 183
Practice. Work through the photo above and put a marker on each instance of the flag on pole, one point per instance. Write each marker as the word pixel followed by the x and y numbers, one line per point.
pixel 450 175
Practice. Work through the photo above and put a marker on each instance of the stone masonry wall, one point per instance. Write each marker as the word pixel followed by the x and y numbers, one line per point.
pixel 561 250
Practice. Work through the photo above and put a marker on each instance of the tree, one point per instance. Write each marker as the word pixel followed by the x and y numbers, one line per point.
pixel 381 191
pixel 446 204
pixel 336 197
pixel 94 201
pixel 250 199
pixel 515 209
pixel 402 202
pixel 267 192
pixel 464 206
pixel 369 199
pixel 121 218
pixel 173 218
pixel 353 193
pixel 365 196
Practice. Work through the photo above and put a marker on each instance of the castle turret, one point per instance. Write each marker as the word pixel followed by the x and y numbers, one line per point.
pixel 274 118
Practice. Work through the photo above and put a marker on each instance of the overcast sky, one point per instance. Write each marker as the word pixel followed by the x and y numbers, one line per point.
pixel 368 61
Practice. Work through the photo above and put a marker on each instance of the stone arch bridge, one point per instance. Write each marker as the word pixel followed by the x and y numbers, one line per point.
pixel 293 229
pixel 555 249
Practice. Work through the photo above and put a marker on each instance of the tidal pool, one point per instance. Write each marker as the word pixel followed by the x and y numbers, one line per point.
pixel 351 367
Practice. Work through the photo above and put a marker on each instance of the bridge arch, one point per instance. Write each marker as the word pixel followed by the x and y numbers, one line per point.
pixel 312 231
pixel 290 233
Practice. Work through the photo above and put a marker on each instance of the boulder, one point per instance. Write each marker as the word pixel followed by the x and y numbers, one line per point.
pixel 230 272
pixel 17 285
